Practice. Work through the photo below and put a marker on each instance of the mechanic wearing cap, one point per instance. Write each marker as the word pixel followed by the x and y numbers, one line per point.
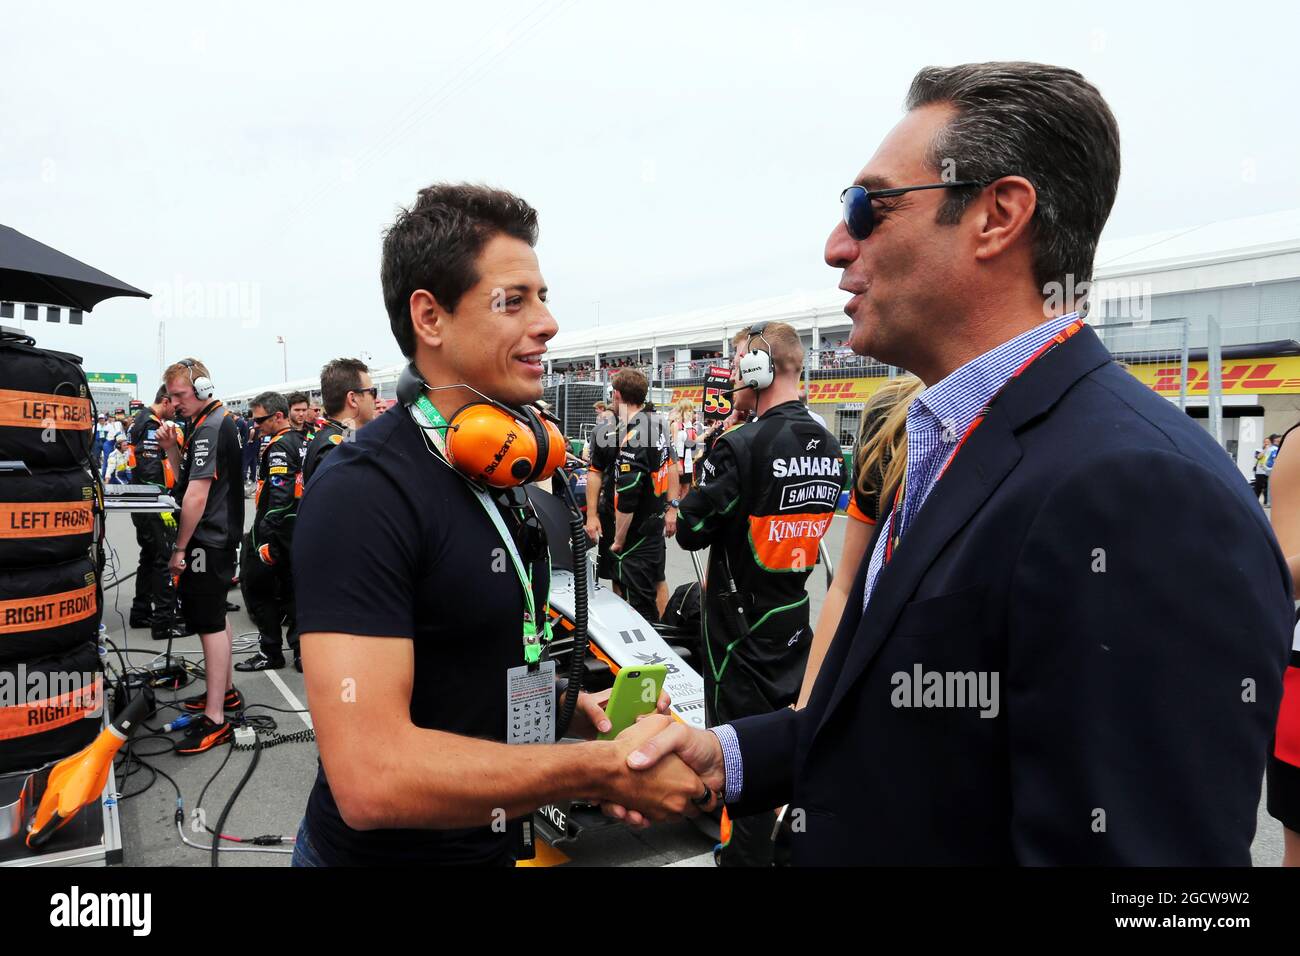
pixel 640 480
pixel 766 496
pixel 349 398
pixel 264 573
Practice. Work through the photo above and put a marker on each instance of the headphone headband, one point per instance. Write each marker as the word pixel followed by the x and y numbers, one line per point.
pixel 202 385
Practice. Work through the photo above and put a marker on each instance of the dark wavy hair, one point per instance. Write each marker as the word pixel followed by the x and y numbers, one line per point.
pixel 435 244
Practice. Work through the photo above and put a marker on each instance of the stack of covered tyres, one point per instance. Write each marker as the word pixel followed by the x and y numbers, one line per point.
pixel 51 680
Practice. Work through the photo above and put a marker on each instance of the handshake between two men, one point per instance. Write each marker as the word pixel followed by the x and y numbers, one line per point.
pixel 667 770
pixel 668 762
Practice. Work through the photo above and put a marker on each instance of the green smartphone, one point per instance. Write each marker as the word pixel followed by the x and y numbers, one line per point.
pixel 635 692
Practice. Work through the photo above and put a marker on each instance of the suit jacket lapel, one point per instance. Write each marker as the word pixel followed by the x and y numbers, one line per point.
pixel 984 461
pixel 986 458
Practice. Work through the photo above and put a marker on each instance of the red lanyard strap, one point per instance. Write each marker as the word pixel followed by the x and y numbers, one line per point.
pixel 1060 337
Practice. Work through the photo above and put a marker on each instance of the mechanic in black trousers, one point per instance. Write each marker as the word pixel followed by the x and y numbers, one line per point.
pixel 766 496
pixel 264 574
pixel 154 606
pixel 640 479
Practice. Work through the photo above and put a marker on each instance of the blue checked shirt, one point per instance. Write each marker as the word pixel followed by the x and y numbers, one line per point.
pixel 936 420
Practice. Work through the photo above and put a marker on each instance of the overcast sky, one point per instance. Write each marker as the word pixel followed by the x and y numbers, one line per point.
pixel 241 160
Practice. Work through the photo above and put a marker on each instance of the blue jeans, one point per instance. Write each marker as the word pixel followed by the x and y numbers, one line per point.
pixel 304 854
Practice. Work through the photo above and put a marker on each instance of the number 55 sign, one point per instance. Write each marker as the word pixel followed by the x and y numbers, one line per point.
pixel 717 404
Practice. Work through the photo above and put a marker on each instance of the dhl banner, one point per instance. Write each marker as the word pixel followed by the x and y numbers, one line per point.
pixel 1253 376
pixel 829 391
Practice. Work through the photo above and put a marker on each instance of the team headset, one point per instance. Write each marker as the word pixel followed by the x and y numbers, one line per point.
pixel 203 387
pixel 491 443
pixel 480 446
pixel 755 366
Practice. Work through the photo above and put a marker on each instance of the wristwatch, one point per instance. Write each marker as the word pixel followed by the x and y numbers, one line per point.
pixel 674 502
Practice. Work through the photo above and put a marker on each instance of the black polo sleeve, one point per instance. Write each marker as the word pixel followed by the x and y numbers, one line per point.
pixel 355 507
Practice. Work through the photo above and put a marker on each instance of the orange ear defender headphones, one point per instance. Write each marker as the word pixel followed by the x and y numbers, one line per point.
pixel 489 442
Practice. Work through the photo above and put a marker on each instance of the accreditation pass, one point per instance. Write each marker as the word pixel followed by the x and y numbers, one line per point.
pixel 530 704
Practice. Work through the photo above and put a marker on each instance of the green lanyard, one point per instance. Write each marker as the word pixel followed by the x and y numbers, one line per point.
pixel 432 423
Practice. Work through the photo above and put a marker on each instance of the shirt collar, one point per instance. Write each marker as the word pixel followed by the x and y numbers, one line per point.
pixel 957 398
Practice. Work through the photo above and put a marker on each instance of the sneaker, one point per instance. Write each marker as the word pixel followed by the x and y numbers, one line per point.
pixel 231 607
pixel 261 662
pixel 297 663
pixel 203 735
pixel 139 620
pixel 199 702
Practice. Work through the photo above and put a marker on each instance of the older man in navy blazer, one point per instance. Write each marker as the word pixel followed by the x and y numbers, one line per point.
pixel 1068 641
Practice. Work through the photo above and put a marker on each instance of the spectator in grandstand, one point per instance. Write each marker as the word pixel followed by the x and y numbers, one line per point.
pixel 1284 760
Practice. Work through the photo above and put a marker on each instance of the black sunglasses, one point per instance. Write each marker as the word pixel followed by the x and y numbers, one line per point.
pixel 372 391
pixel 257 420
pixel 859 215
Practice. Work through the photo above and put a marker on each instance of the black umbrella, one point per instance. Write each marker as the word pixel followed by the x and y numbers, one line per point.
pixel 31 271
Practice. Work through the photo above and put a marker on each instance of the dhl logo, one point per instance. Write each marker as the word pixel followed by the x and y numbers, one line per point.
pixel 1239 378
pixel 1267 376
pixel 43 410
pixel 45 519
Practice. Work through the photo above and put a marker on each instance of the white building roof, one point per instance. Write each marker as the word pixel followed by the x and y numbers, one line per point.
pixel 1230 252
pixel 1250 237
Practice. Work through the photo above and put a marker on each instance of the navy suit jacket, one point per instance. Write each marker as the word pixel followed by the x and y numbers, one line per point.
pixel 1093 550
